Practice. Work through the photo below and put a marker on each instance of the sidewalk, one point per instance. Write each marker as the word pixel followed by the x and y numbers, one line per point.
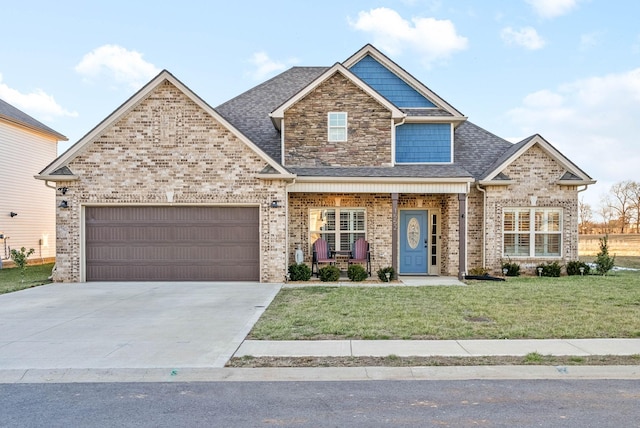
pixel 440 348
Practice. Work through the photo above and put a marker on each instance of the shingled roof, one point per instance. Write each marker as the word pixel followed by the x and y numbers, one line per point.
pixel 249 111
pixel 475 149
pixel 12 114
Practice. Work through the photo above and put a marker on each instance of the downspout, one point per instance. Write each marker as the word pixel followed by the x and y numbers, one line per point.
pixel 46 183
pixel 484 223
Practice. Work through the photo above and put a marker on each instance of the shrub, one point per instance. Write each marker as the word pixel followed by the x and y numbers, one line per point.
pixel 550 269
pixel 299 272
pixel 478 271
pixel 357 272
pixel 382 274
pixel 329 273
pixel 513 268
pixel 573 268
pixel 20 259
pixel 604 262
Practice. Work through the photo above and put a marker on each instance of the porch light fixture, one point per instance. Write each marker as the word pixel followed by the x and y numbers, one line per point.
pixel 63 204
pixel 12 214
pixel 275 204
pixel 63 190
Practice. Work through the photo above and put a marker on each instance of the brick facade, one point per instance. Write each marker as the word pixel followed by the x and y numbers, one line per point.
pixel 535 174
pixel 369 128
pixel 167 143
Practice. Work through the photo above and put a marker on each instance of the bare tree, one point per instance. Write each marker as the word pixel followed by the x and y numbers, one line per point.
pixel 622 202
pixel 585 215
pixel 606 213
pixel 635 205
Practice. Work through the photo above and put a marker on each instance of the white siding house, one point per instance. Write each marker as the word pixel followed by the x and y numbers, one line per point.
pixel 27 206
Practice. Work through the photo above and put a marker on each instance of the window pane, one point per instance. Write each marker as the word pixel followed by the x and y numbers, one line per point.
pixel 548 245
pixel 553 221
pixel 509 221
pixel 524 222
pixel 516 244
pixel 348 239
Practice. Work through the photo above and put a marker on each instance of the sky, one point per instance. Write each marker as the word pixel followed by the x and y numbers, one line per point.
pixel 568 70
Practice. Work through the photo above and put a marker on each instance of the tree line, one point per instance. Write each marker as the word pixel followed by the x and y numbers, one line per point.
pixel 618 211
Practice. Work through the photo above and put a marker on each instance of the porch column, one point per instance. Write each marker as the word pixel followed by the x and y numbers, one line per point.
pixel 394 232
pixel 462 235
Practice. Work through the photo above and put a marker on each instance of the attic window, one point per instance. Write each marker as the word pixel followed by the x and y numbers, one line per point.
pixel 337 129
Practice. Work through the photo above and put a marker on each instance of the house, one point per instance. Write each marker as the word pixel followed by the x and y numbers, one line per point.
pixel 169 188
pixel 27 213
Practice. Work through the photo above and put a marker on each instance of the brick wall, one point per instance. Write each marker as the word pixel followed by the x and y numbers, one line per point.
pixel 168 143
pixel 535 174
pixel 369 128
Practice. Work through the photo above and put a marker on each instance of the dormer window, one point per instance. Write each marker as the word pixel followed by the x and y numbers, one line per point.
pixel 337 130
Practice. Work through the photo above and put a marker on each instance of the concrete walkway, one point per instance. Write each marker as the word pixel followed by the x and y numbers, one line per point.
pixel 439 348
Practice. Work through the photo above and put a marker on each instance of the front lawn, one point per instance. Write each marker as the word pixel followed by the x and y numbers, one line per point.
pixel 11 280
pixel 527 307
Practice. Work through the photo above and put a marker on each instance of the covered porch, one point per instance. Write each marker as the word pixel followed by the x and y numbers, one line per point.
pixel 419 230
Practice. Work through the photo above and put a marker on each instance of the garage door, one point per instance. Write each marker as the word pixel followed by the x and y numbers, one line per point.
pixel 172 244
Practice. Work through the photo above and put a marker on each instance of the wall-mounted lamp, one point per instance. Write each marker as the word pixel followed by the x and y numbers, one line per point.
pixel 275 204
pixel 12 214
pixel 63 204
pixel 63 190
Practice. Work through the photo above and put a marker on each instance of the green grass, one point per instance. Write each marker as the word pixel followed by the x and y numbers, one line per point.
pixel 526 307
pixel 11 280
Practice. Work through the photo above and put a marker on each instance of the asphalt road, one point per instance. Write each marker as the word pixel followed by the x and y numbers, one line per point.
pixel 570 403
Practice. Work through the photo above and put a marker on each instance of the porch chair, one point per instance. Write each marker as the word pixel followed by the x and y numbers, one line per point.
pixel 321 255
pixel 361 255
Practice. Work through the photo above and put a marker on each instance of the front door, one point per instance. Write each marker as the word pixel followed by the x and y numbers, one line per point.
pixel 413 242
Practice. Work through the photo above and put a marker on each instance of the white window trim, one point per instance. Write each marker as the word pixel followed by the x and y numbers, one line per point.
pixel 345 127
pixel 336 232
pixel 532 232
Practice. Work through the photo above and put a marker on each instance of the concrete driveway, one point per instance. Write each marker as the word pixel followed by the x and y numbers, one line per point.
pixel 128 325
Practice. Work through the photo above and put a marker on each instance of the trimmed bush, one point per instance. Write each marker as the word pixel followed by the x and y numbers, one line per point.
pixel 382 274
pixel 299 272
pixel 513 268
pixel 550 269
pixel 478 271
pixel 573 268
pixel 357 272
pixel 329 273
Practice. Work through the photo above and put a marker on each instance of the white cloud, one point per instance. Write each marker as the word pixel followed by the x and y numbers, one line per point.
pixel 42 106
pixel 552 8
pixel 590 40
pixel 593 122
pixel 116 63
pixel 266 66
pixel 434 40
pixel 526 37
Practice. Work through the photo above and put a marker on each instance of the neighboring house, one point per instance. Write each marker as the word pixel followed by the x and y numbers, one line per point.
pixel 27 213
pixel 168 188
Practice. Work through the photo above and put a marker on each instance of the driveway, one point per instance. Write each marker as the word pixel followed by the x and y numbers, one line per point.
pixel 128 325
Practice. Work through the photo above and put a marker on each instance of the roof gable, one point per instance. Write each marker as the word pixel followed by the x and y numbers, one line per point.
pixel 17 117
pixel 278 113
pixel 572 176
pixel 388 84
pixel 49 173
pixel 395 69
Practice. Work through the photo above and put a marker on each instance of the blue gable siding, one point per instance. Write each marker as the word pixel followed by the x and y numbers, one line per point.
pixel 388 84
pixel 423 142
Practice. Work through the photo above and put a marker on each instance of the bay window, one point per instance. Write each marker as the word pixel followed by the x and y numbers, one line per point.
pixel 532 232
